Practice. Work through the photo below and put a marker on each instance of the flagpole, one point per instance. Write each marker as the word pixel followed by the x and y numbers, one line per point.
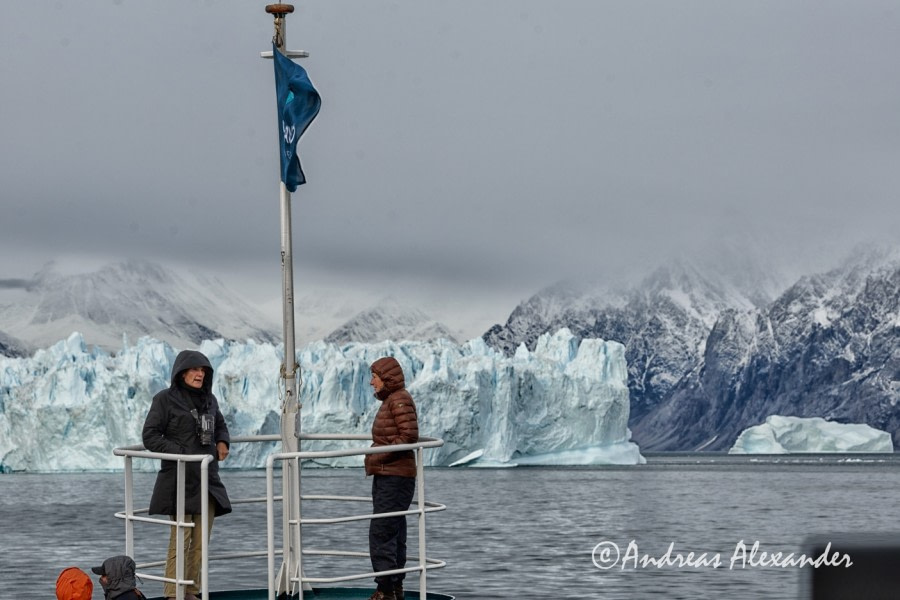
pixel 290 410
pixel 289 366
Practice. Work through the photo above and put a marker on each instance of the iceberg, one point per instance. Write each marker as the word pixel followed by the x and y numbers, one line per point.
pixel 66 407
pixel 786 435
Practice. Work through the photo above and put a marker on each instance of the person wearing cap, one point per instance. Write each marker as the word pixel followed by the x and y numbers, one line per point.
pixel 185 419
pixel 394 475
pixel 117 578
pixel 74 584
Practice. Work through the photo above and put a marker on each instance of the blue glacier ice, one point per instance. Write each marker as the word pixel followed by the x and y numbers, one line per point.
pixel 66 407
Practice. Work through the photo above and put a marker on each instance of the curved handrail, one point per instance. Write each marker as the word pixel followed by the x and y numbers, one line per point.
pixel 425 442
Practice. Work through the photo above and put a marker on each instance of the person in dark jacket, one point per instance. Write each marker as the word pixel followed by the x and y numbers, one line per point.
pixel 185 419
pixel 117 578
pixel 394 480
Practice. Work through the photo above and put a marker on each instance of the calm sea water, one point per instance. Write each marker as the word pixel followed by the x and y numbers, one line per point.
pixel 525 533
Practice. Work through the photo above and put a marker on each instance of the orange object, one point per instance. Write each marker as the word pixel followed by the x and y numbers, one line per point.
pixel 74 584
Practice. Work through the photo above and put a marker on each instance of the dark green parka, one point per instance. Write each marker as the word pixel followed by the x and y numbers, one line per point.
pixel 172 428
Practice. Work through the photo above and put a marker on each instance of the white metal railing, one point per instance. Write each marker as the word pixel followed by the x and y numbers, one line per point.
pixel 130 514
pixel 291 538
pixel 294 533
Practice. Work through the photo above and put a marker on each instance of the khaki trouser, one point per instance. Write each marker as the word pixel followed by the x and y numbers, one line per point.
pixel 193 551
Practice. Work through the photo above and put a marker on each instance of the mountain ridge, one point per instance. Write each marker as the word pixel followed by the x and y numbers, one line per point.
pixel 390 320
pixel 136 298
pixel 705 363
pixel 132 298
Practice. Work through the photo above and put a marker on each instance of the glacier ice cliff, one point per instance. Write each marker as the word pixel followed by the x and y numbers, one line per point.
pixel 566 402
pixel 785 435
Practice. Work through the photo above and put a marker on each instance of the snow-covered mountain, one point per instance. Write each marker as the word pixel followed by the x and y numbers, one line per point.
pixel 66 408
pixel 138 298
pixel 828 347
pixel 135 298
pixel 10 346
pixel 317 314
pixel 390 320
pixel 706 359
pixel 663 321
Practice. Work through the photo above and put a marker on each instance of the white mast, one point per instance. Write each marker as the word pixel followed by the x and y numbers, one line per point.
pixel 290 410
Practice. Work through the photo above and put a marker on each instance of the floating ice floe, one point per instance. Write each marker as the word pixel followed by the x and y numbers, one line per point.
pixel 786 435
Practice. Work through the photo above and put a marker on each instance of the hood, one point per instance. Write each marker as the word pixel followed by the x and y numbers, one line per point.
pixel 74 584
pixel 390 373
pixel 119 571
pixel 188 359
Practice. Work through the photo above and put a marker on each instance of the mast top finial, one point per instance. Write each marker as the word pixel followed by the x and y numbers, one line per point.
pixel 279 9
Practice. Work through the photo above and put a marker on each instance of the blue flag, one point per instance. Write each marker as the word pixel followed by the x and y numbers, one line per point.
pixel 298 105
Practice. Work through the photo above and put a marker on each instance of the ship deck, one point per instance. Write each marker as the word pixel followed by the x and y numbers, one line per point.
pixel 336 593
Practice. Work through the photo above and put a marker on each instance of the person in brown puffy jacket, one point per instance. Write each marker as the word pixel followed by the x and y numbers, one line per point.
pixel 394 480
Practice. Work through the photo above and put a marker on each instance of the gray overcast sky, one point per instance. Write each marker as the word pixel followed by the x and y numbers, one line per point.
pixel 474 150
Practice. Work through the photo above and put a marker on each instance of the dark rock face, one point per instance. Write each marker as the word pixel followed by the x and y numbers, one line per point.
pixel 12 347
pixel 704 364
pixel 828 347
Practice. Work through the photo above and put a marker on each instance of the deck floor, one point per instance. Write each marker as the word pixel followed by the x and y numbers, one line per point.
pixel 318 594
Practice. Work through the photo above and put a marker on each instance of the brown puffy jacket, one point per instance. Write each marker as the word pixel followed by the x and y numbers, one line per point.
pixel 395 423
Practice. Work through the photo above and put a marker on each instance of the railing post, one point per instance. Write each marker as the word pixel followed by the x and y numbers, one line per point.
pixel 298 535
pixel 204 524
pixel 179 532
pixel 270 523
pixel 129 508
pixel 420 491
pixel 286 560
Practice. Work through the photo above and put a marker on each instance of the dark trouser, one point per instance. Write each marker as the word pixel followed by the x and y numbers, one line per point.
pixel 387 536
